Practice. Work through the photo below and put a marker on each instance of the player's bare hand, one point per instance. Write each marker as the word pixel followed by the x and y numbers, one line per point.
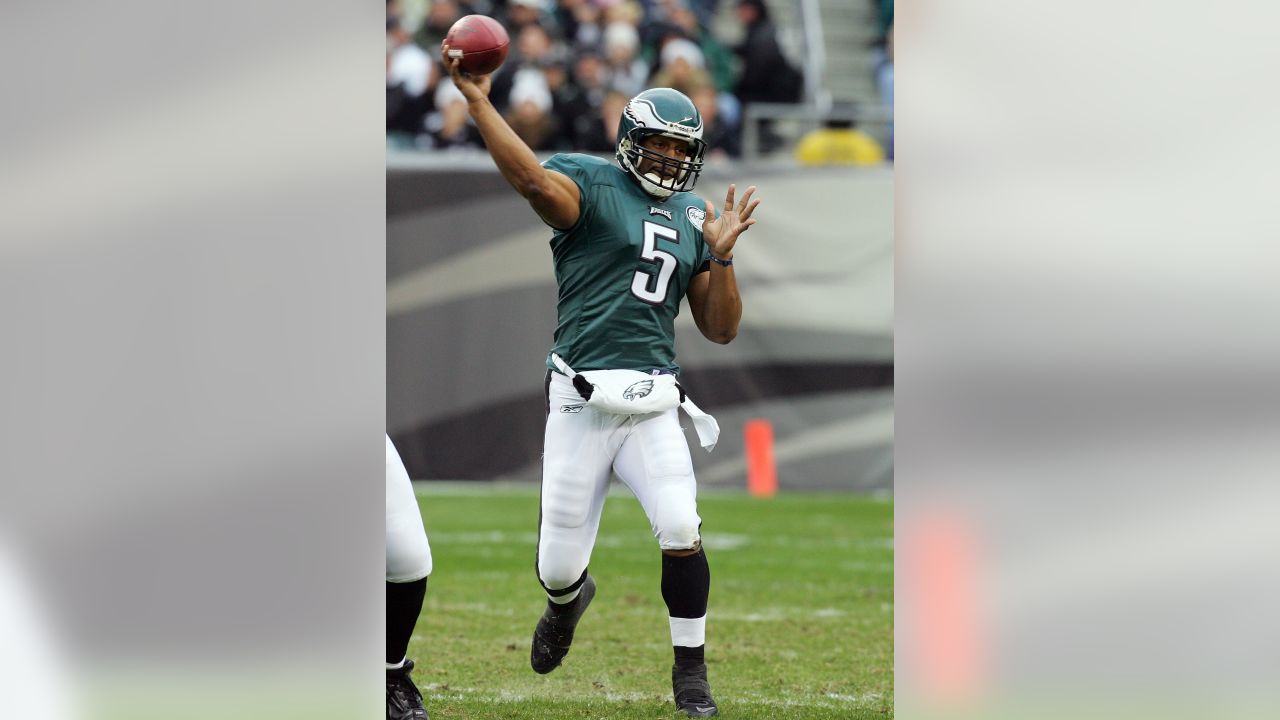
pixel 721 234
pixel 473 87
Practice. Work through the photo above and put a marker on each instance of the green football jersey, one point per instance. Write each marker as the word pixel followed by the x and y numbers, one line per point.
pixel 623 269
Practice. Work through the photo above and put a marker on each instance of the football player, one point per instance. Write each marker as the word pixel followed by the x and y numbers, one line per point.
pixel 629 242
pixel 408 565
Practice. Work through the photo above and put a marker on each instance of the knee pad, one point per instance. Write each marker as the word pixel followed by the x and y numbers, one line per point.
pixel 676 524
pixel 557 572
pixel 681 537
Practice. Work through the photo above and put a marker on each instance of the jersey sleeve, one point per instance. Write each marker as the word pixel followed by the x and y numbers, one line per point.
pixel 571 166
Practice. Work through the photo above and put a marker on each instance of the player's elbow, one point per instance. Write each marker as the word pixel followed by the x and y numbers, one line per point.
pixel 722 337
pixel 720 333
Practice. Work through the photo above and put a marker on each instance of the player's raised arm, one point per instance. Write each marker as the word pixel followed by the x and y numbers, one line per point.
pixel 552 195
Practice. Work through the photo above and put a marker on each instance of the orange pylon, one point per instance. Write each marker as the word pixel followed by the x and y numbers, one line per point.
pixel 762 472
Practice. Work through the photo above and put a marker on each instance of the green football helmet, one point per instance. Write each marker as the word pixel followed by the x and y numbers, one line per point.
pixel 661 111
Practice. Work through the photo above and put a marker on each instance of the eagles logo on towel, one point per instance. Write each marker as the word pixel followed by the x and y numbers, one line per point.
pixel 638 390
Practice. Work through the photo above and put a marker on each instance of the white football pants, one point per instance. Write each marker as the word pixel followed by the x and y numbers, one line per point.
pixel 648 452
pixel 408 554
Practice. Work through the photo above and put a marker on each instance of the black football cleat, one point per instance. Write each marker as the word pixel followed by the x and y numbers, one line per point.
pixel 554 633
pixel 404 702
pixel 692 691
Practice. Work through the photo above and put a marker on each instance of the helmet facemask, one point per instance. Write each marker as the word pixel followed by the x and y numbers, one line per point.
pixel 663 176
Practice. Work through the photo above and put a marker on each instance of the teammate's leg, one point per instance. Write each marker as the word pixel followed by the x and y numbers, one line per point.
pixel 577 453
pixel 408 565
pixel 654 462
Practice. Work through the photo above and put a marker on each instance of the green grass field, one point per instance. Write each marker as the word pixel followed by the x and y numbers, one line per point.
pixel 800 623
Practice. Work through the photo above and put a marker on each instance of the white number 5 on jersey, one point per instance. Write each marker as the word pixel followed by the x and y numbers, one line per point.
pixel 666 262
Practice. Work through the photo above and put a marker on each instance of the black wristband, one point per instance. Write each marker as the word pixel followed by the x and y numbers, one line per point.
pixel 718 261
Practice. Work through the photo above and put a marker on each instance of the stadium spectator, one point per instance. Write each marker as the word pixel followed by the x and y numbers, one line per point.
pixel 408 65
pixel 533 45
pixel 628 73
pixel 591 76
pixel 767 76
pixel 611 117
pixel 599 134
pixel 530 113
pixel 409 74
pixel 652 27
pixel 450 126
pixel 721 138
pixel 440 17
pixel 705 10
pixel 719 60
pixel 626 11
pixel 591 80
pixel 523 13
pixel 565 96
pixel 580 22
pixel 531 49
pixel 682 67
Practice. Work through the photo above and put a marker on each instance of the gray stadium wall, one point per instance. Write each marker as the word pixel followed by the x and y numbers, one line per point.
pixel 471 310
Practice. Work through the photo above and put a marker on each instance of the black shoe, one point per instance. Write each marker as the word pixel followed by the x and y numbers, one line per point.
pixel 404 702
pixel 554 633
pixel 692 691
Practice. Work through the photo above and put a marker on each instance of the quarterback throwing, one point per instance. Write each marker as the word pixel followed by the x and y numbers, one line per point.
pixel 629 242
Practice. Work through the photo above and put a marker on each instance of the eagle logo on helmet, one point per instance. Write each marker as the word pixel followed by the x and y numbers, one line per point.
pixel 654 112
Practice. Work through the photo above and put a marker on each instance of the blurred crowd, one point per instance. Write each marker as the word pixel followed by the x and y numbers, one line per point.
pixel 573 64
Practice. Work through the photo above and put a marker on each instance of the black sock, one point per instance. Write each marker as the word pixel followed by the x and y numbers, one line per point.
pixel 686 656
pixel 686 582
pixel 404 604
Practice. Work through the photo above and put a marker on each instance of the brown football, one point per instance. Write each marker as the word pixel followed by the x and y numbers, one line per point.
pixel 480 41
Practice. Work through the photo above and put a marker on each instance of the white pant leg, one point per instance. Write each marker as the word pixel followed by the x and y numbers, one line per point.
pixel 577 450
pixel 654 462
pixel 408 553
